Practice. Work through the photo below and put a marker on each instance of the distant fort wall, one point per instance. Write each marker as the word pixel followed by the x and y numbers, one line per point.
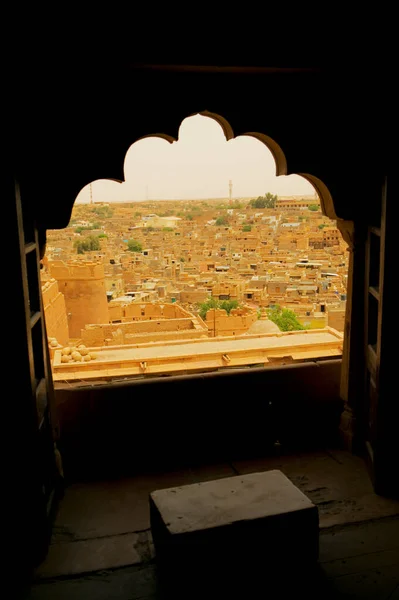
pixel 55 312
pixel 83 286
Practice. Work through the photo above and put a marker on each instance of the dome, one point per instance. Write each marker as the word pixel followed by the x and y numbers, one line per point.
pixel 262 326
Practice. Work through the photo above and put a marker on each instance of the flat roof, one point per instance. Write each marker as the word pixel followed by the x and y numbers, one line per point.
pixel 200 354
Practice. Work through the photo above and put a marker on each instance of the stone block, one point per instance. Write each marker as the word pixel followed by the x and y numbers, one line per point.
pixel 261 520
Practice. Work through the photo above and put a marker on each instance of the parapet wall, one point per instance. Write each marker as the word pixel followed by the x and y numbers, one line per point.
pixel 76 270
pixel 140 311
pixel 303 414
pixel 125 333
pixel 238 322
pixel 166 337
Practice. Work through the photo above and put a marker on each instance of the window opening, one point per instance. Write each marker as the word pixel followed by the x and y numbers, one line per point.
pixel 145 266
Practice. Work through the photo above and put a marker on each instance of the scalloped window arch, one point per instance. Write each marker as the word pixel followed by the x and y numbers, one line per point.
pixel 185 262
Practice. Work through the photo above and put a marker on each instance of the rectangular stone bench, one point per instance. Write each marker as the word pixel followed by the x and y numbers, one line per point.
pixel 230 523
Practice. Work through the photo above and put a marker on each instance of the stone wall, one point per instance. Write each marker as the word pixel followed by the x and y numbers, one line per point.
pixel 237 323
pixel 298 405
pixel 164 336
pixel 193 296
pixel 55 312
pixel 145 311
pixel 83 287
pixel 336 319
pixel 97 335
pixel 227 288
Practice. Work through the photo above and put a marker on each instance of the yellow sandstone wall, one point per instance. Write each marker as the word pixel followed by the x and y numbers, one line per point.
pixel 115 312
pixel 152 330
pixel 55 312
pixel 193 296
pixel 84 291
pixel 237 323
pixel 302 243
pixel 313 322
pixel 145 311
pixel 336 319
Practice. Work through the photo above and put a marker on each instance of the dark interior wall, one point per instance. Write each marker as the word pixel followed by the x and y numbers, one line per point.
pixel 118 429
pixel 78 124
pixel 72 123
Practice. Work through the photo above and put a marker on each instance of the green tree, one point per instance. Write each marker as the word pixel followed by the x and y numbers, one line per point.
pixel 94 242
pixel 88 244
pixel 285 319
pixel 314 207
pixel 267 201
pixel 226 305
pixel 189 217
pixel 322 225
pixel 221 221
pixel 134 246
pixel 203 307
pixel 247 228
pixel 80 246
pixel 271 200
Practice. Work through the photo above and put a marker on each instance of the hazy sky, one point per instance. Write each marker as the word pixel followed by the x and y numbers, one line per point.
pixel 199 165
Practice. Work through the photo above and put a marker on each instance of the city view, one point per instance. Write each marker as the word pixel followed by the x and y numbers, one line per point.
pixel 229 270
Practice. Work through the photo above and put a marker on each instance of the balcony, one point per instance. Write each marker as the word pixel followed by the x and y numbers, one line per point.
pixel 121 441
pixel 125 427
pixel 102 545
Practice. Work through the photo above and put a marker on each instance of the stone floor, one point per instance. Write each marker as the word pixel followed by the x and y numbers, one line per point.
pixel 102 547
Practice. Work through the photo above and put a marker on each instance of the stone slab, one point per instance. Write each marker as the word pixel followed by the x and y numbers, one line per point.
pixel 130 583
pixel 108 508
pixel 86 556
pixel 236 522
pixel 211 504
pixel 368 569
pixel 336 481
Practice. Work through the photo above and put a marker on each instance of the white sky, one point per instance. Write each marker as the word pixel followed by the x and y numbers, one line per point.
pixel 198 166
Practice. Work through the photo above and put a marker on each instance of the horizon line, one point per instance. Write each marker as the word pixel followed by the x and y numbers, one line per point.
pixel 224 198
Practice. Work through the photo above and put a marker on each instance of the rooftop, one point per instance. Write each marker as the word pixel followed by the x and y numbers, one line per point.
pixel 201 354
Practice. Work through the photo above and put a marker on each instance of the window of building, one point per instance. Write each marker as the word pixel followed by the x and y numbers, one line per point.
pixel 178 232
